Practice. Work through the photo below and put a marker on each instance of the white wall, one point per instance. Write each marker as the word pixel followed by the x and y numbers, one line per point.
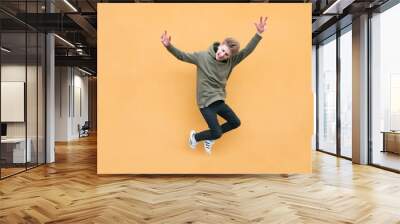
pixel 80 83
pixel 15 72
pixel 62 78
pixel 71 87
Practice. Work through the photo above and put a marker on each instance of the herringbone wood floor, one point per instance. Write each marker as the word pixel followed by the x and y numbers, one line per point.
pixel 69 191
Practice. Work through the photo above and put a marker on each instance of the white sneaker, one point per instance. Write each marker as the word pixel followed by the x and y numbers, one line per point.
pixel 208 146
pixel 192 139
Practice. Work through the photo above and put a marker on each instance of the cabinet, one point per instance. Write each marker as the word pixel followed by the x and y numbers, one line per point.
pixel 391 142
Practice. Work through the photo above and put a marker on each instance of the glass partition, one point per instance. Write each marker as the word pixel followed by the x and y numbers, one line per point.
pixel 22 89
pixel 14 153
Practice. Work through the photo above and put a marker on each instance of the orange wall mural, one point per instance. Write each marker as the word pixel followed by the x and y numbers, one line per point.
pixel 147 102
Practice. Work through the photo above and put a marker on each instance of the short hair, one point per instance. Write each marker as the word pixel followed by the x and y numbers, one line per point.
pixel 232 44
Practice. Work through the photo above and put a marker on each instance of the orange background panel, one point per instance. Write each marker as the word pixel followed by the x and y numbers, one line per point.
pixel 146 97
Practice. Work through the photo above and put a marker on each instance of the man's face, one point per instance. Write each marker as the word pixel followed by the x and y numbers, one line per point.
pixel 223 53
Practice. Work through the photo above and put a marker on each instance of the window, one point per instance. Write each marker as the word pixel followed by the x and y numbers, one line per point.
pixel 385 88
pixel 346 92
pixel 327 95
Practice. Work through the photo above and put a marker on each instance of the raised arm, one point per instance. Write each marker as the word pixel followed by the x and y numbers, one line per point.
pixel 253 42
pixel 183 56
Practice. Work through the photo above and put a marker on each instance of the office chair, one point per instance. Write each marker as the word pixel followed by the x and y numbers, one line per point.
pixel 84 130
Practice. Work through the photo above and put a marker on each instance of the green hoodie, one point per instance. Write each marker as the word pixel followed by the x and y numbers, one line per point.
pixel 212 75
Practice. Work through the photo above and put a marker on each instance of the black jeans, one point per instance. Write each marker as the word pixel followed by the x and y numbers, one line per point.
pixel 210 115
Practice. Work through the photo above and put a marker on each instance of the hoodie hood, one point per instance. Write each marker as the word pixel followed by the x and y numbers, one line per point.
pixel 212 50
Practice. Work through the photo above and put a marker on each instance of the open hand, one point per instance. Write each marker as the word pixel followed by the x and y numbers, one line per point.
pixel 165 39
pixel 261 25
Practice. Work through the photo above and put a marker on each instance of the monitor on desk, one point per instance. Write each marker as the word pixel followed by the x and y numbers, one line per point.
pixel 3 130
